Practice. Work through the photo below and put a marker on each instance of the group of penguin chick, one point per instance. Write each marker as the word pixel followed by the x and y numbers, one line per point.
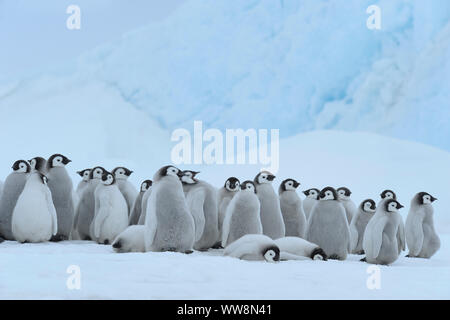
pixel 177 212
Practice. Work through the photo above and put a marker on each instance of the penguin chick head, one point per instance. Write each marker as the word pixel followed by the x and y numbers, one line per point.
pixel 425 198
pixel 37 163
pixel 264 177
pixel 328 193
pixel 57 160
pixel 312 193
pixel 344 193
pixel 167 171
pixel 248 186
pixel 271 254
pixel 84 174
pixel 288 185
pixel 121 173
pixel 108 178
pixel 368 205
pixel 232 184
pixel 389 194
pixel 188 177
pixel 392 205
pixel 145 185
pixel 21 166
pixel 96 173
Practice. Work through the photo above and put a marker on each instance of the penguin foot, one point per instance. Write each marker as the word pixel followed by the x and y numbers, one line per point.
pixel 189 251
pixel 87 238
pixel 363 259
pixel 106 242
pixel 218 245
pixel 319 254
pixel 334 257
pixel 58 238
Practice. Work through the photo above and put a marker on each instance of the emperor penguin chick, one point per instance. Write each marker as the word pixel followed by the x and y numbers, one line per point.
pixel 111 211
pixel 328 226
pixel 226 193
pixel 387 194
pixel 202 196
pixel 384 237
pixel 292 209
pixel 130 193
pixel 137 207
pixel 242 216
pixel 61 187
pixel 86 206
pixel 130 240
pixel 84 174
pixel 421 237
pixel 34 218
pixel 312 197
pixel 295 248
pixel 254 247
pixel 38 164
pixel 12 188
pixel 349 206
pixel 358 225
pixel 170 225
pixel 271 217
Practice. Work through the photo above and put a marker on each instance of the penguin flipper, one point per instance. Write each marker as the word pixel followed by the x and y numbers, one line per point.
pixel 414 234
pixel 51 210
pixel 195 200
pixel 226 226
pixel 104 208
pixel 401 236
pixel 373 236
pixel 353 235
pixel 151 223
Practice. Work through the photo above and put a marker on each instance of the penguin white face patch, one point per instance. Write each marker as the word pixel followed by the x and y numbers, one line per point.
pixel 98 173
pixel 289 185
pixel 172 171
pixel 265 177
pixel 58 162
pixel 389 195
pixel 33 163
pixel 249 187
pixel 109 180
pixel 328 195
pixel 392 207
pixel 426 199
pixel 368 207
pixel 270 255
pixel 313 194
pixel 229 188
pixel 86 175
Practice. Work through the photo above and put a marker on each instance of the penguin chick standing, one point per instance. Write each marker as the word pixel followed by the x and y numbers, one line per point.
pixel 328 226
pixel 130 193
pixel 294 248
pixel 61 187
pixel 387 194
pixel 38 164
pixel 384 237
pixel 12 188
pixel 421 237
pixel 358 225
pixel 86 206
pixel 225 194
pixel 137 207
pixel 253 247
pixel 349 206
pixel 170 225
pixel 145 198
pixel 130 240
pixel 111 211
pixel 206 202
pixel 34 218
pixel 271 217
pixel 312 197
pixel 84 174
pixel 242 215
pixel 292 209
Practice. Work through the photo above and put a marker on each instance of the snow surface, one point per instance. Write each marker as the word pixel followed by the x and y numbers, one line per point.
pixel 295 65
pixel 366 163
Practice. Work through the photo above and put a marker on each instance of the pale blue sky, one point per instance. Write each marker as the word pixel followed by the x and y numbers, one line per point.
pixel 33 34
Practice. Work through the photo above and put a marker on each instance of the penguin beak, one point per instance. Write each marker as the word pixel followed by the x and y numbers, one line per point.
pixel 296 184
pixel 271 177
pixel 305 193
pixel 433 199
pixel 180 174
pixel 117 245
pixel 400 206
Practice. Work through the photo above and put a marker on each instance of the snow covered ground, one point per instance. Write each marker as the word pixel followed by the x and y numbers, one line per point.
pixel 366 163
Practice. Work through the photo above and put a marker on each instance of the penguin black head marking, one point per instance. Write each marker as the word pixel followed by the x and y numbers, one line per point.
pixel 84 174
pixel 57 160
pixel 121 173
pixel 425 198
pixel 344 192
pixel 328 193
pixel 312 193
pixel 188 177
pixel 117 244
pixel 248 186
pixel 392 205
pixel 37 163
pixel 318 254
pixel 288 185
pixel 96 173
pixel 21 166
pixel 145 185
pixel 108 178
pixel 264 177
pixel 169 171
pixel 368 205
pixel 232 184
pixel 388 194
pixel 271 254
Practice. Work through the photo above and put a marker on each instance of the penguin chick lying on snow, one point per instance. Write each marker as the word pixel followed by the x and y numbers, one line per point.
pixel 130 240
